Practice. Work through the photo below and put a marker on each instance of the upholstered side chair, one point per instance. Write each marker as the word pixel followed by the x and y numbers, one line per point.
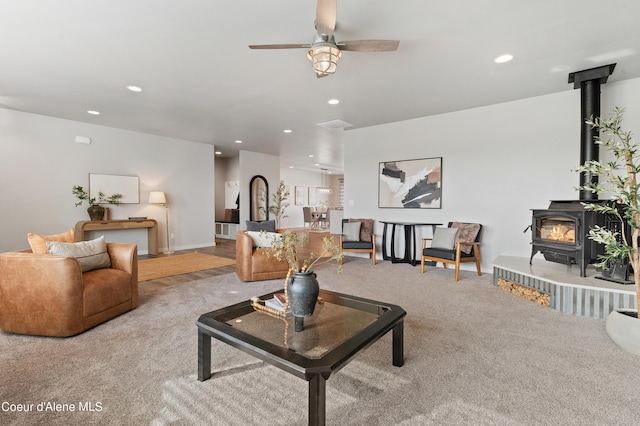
pixel 456 244
pixel 309 218
pixel 357 237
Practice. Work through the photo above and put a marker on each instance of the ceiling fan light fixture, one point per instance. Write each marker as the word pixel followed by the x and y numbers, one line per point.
pixel 324 57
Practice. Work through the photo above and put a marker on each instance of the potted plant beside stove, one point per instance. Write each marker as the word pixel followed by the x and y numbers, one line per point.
pixel 618 179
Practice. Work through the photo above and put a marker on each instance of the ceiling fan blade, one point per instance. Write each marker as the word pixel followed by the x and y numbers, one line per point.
pixel 279 46
pixel 326 11
pixel 369 45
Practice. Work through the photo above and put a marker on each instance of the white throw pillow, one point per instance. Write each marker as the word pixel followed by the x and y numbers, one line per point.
pixel 444 238
pixel 351 231
pixel 263 238
pixel 90 254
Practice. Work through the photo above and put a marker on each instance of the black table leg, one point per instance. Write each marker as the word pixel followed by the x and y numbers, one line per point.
pixel 393 243
pixel 410 243
pixel 204 356
pixel 413 245
pixel 407 249
pixel 409 233
pixel 317 400
pixel 385 256
pixel 398 344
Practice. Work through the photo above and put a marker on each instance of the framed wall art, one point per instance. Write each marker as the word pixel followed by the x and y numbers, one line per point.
pixel 410 184
pixel 128 186
pixel 299 196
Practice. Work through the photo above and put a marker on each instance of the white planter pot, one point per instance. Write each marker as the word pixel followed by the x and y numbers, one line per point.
pixel 624 330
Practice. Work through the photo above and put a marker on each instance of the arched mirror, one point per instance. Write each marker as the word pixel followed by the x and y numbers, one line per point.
pixel 258 199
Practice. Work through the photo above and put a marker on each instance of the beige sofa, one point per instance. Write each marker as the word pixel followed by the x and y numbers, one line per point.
pixel 48 295
pixel 252 264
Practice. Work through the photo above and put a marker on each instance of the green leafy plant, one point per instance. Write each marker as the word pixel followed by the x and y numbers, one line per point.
pixel 618 179
pixel 82 196
pixel 279 202
pixel 287 248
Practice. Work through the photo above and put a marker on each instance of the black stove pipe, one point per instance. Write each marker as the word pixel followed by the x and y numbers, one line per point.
pixel 589 82
pixel 589 107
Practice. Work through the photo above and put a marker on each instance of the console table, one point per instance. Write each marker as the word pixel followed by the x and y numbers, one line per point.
pixel 114 225
pixel 409 229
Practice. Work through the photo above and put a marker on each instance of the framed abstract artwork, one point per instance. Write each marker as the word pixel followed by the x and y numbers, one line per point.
pixel 410 184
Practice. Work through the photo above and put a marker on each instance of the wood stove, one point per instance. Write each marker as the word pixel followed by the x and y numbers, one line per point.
pixel 560 234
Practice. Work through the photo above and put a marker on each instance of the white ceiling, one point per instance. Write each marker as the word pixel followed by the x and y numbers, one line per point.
pixel 202 83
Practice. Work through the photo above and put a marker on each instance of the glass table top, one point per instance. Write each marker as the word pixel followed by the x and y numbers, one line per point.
pixel 327 328
pixel 337 322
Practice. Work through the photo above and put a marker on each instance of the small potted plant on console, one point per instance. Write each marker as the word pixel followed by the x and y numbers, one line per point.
pixel 95 210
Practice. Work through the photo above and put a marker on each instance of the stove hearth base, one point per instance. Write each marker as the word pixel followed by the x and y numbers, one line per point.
pixel 581 296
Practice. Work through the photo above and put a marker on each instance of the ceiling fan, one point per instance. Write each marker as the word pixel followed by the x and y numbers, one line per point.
pixel 323 51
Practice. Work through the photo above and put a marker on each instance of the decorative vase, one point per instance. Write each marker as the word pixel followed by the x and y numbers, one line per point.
pixel 302 290
pixel 623 327
pixel 96 212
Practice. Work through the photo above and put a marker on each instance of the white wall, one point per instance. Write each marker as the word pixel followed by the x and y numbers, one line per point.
pixel 40 162
pixel 334 183
pixel 220 178
pixel 499 162
pixel 306 179
pixel 252 164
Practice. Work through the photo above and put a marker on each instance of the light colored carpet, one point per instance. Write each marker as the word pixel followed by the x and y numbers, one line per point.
pixel 160 267
pixel 474 355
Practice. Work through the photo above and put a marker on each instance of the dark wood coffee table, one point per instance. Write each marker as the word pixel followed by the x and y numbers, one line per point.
pixel 337 331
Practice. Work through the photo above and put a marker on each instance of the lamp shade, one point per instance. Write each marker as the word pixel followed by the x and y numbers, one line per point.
pixel 157 197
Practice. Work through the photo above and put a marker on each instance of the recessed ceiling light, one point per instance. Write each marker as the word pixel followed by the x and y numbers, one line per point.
pixel 287 130
pixel 333 102
pixel 503 59
pixel 218 152
pixel 561 68
pixel 92 112
pixel 134 88
pixel 310 155
pixel 317 165
pixel 291 167
pixel 238 141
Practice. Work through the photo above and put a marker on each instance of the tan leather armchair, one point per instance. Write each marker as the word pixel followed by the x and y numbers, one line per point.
pixel 252 264
pixel 48 295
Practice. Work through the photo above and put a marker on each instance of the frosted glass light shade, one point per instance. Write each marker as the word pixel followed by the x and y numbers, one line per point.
pixel 324 58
